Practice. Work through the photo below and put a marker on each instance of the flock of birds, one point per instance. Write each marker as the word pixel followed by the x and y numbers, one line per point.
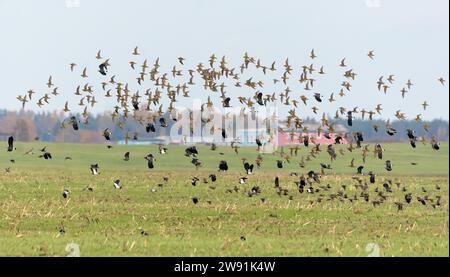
pixel 215 76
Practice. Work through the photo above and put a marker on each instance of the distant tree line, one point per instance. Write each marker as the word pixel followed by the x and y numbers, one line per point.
pixel 46 126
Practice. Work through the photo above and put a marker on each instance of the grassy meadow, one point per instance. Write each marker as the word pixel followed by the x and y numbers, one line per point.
pixel 106 221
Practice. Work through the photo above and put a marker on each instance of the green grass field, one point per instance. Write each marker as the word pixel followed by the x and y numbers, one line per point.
pixel 107 221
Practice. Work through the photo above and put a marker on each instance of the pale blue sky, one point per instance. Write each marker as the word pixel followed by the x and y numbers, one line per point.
pixel 410 38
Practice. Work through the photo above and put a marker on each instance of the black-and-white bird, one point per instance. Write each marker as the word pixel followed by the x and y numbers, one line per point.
pixel 259 99
pixel 46 156
pixel 11 144
pixel 143 233
pixel 150 127
pixel 126 156
pixel 223 166
pixel 360 170
pixel 387 187
pixel 191 151
pixel 379 151
pixel 150 161
pixel 226 102
pixel 349 118
pixel 162 121
pixel 318 97
pixel 388 165
pixel 162 149
pixel 391 131
pixel 372 177
pixel 194 181
pixel 248 168
pixel 410 134
pixel 301 185
pixel 258 142
pixel 280 164
pixel 359 138
pixel 135 105
pixel 243 180
pixel 65 193
pixel 213 177
pixel 435 144
pixel 74 122
pixel 306 141
pixel 254 191
pixel 224 134
pixel 117 184
pixel 412 142
pixel 94 169
pixel 103 69
pixel 196 162
pixel 107 134
pixel 408 198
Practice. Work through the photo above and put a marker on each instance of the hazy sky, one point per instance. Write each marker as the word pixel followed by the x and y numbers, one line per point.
pixel 410 39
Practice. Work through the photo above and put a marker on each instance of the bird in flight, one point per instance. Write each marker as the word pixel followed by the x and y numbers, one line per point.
pixel 72 66
pixel 49 83
pixel 99 55
pixel 84 73
pixel 135 51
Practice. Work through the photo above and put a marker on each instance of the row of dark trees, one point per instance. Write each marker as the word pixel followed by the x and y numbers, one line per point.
pixel 46 126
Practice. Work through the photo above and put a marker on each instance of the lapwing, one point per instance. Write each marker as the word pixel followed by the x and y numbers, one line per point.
pixel 379 151
pixel 223 166
pixel 163 123
pixel 349 118
pixel 11 144
pixel 162 149
pixel 107 134
pixel 117 184
pixel 143 232
pixel 65 193
pixel 194 181
pixel 372 177
pixel 248 168
pixel 103 69
pixel 280 164
pixel 191 151
pixel 46 156
pixel 196 162
pixel 360 170
pixel 213 177
pixel 74 122
pixel 150 128
pixel 243 180
pixel 388 165
pixel 126 156
pixel 408 198
pixel 150 161
pixel 391 131
pixel 94 169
